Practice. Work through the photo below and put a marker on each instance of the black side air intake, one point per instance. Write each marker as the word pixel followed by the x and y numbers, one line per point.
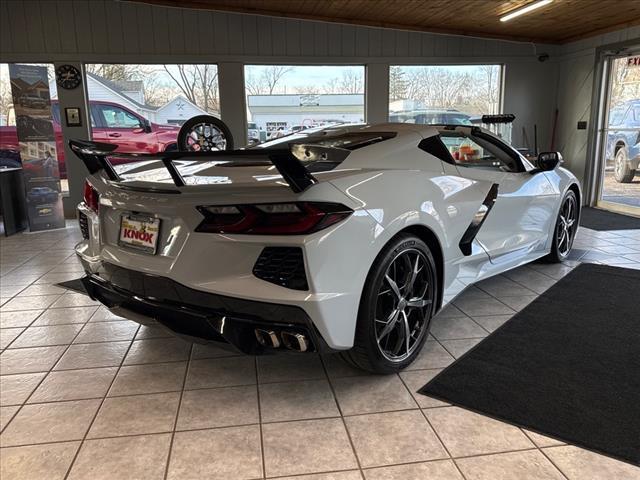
pixel 283 266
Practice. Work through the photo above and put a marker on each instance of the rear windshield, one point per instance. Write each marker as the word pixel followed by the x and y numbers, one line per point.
pixel 346 140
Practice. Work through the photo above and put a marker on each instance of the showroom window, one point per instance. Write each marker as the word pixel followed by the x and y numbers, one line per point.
pixel 454 94
pixel 142 107
pixel 285 99
pixel 30 132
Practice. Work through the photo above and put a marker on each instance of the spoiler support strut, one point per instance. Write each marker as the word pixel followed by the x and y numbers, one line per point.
pixel 94 155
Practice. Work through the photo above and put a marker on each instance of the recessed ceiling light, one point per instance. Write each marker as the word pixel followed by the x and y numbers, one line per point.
pixel 526 9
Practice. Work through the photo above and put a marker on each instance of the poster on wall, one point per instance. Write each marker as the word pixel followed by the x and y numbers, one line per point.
pixel 34 127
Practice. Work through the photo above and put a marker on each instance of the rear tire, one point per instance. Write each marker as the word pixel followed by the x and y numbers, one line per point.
pixel 623 173
pixel 565 230
pixel 392 291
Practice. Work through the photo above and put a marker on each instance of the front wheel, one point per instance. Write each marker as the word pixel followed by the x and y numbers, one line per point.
pixel 566 228
pixel 204 133
pixel 396 307
pixel 622 170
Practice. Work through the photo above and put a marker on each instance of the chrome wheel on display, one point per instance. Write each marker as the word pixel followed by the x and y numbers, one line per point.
pixel 567 225
pixel 204 133
pixel 404 304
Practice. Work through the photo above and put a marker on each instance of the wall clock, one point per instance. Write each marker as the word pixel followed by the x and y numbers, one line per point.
pixel 68 77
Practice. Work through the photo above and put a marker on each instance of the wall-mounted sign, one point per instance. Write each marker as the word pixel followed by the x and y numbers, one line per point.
pixel 72 117
pixel 633 61
pixel 32 104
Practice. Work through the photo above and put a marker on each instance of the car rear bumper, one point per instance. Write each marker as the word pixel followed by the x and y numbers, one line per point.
pixel 199 316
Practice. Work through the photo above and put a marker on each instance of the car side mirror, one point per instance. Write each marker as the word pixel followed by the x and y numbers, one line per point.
pixel 146 127
pixel 548 161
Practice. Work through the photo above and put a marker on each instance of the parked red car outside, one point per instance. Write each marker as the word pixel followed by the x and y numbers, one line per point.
pixel 110 123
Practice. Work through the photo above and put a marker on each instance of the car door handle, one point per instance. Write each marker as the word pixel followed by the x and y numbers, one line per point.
pixel 115 134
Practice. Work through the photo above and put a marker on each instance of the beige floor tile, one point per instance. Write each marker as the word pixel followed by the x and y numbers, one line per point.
pixel 15 389
pixel 29 360
pixel 8 335
pixel 74 300
pixel 46 336
pixel 6 414
pixel 289 367
pixel 492 322
pixel 136 415
pixel 579 464
pixel 482 306
pixel 337 367
pixel 29 303
pixel 457 348
pixel 518 303
pixel 18 319
pixel 542 440
pixel 103 314
pixel 455 328
pixel 417 379
pixel 218 407
pixel 74 385
pixel 61 316
pixel 436 470
pixel 221 372
pixel 37 462
pixel 107 332
pixel 146 332
pixel 42 290
pixel 139 457
pixel 527 465
pixel 218 454
pixel 466 433
pixel 297 401
pixel 396 437
pixel 92 355
pixel 152 378
pixel 372 394
pixel 431 356
pixel 306 446
pixel 200 352
pixel 350 475
pixel 50 422
pixel 158 350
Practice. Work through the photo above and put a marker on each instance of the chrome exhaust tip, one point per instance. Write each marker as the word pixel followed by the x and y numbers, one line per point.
pixel 267 338
pixel 295 341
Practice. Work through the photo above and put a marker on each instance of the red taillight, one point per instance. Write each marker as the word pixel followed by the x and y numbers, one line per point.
pixel 91 196
pixel 272 218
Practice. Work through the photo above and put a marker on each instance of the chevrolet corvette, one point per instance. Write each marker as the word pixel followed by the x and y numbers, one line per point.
pixel 340 239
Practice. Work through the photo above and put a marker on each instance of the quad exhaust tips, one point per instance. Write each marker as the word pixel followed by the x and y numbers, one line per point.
pixel 295 341
pixel 267 338
pixel 291 340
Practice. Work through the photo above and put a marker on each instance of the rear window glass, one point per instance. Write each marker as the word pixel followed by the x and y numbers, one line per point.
pixel 347 140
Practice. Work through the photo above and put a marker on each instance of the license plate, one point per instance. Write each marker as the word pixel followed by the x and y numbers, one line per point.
pixel 139 232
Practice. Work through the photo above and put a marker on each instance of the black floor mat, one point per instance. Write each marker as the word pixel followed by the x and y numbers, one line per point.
pixel 597 219
pixel 75 285
pixel 567 366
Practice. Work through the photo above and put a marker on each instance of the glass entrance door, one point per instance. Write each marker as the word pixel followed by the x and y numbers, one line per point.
pixel 619 187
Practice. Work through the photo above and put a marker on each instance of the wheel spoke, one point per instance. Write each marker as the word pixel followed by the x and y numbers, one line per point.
pixel 394 286
pixel 407 331
pixel 391 323
pixel 418 303
pixel 414 274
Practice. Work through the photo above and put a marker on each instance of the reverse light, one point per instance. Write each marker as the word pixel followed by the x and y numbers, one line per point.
pixel 91 196
pixel 294 218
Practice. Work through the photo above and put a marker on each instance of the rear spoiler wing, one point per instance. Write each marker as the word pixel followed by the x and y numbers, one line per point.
pixel 95 157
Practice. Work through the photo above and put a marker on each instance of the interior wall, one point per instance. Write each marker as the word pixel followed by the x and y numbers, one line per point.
pixel 577 79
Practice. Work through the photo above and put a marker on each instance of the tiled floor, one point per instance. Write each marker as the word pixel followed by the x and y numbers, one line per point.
pixel 87 395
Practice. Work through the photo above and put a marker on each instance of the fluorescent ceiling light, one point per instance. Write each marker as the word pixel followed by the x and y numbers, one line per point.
pixel 526 9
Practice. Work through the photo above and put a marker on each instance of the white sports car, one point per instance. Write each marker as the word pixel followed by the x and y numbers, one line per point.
pixel 348 238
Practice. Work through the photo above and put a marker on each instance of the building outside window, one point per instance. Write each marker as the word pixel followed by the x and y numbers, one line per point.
pixel 282 100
